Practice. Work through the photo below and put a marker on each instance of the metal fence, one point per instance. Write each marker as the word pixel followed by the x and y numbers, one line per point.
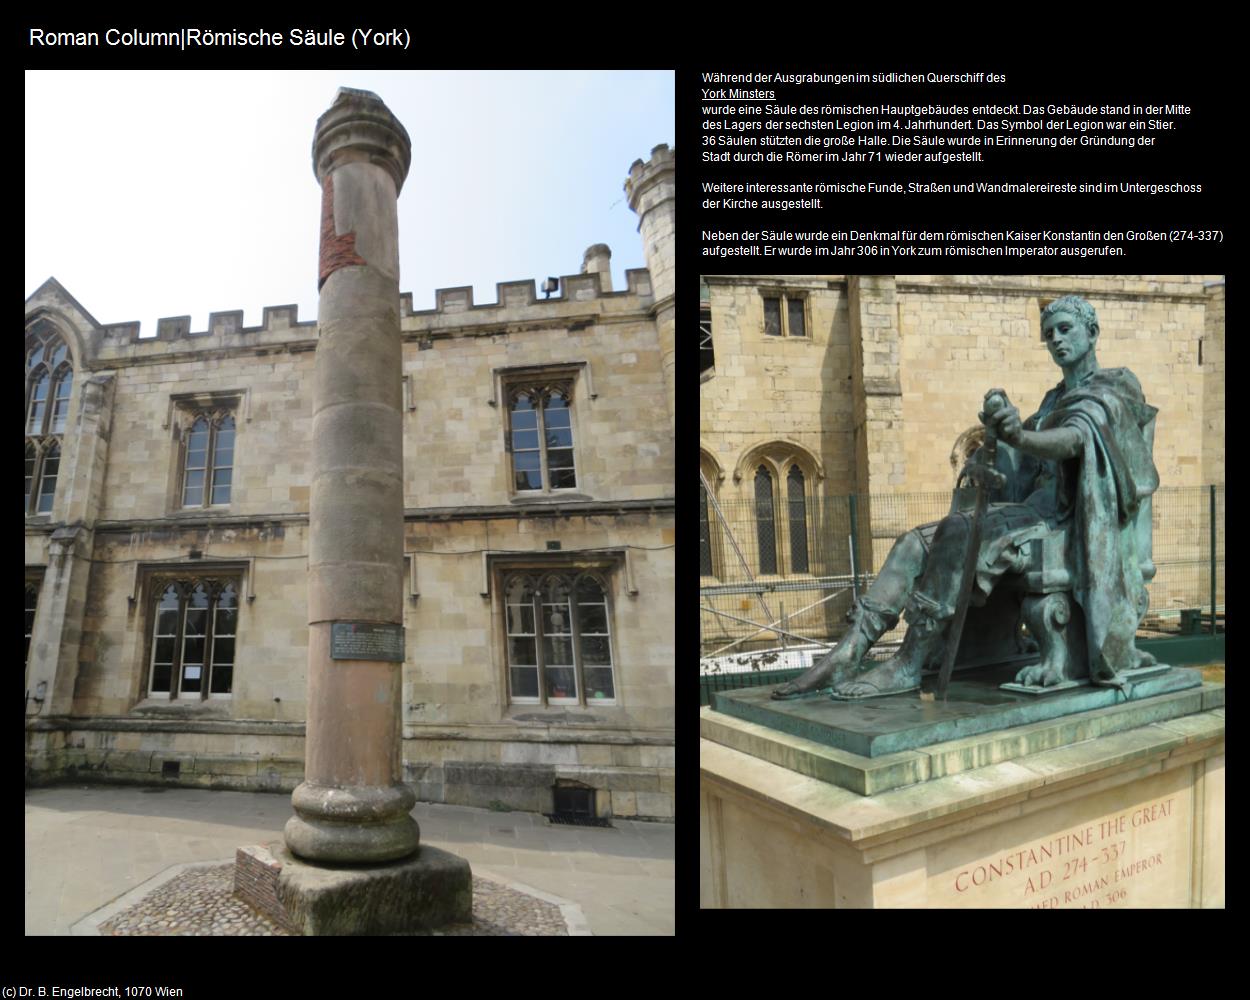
pixel 796 564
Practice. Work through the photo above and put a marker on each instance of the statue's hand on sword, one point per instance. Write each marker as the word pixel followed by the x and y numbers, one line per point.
pixel 1001 417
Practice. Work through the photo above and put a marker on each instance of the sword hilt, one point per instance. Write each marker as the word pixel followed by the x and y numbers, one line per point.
pixel 995 400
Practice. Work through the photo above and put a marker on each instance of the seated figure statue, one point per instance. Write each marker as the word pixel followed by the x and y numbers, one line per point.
pixel 1082 466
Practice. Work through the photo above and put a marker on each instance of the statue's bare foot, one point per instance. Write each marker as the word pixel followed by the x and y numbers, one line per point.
pixel 1039 675
pixel 845 657
pixel 817 676
pixel 897 674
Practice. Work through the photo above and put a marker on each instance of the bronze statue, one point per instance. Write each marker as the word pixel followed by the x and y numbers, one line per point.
pixel 1070 525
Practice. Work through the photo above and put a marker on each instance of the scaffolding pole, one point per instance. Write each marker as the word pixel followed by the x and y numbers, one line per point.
pixel 779 631
pixel 769 628
pixel 707 489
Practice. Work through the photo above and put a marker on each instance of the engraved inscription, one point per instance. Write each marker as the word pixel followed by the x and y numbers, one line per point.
pixel 1091 866
pixel 366 641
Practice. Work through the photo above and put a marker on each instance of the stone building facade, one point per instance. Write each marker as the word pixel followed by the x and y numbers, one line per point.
pixel 870 384
pixel 167 540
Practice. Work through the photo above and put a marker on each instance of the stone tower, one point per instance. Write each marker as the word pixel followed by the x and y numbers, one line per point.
pixel 652 193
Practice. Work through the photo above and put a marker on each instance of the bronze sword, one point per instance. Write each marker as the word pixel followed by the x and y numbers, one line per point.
pixel 986 477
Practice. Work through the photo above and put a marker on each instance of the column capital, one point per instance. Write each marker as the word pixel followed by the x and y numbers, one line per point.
pixel 359 127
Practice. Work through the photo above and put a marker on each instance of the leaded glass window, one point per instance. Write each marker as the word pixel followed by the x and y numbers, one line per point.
pixel 32 600
pixel 36 411
pixel 193 639
pixel 785 314
pixel 32 460
pixel 798 520
pixel 765 526
pixel 795 323
pixel 47 484
pixel 559 639
pixel 772 317
pixel 49 385
pixel 208 462
pixel 540 438
pixel 705 535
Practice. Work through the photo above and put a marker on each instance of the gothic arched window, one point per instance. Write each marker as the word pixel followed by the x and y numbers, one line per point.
pixel 779 481
pixel 705 534
pixel 765 521
pixel 49 384
pixel 798 519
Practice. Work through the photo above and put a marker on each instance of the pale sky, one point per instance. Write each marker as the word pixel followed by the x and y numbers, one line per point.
pixel 152 194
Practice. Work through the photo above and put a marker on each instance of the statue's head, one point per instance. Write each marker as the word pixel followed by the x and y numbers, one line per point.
pixel 1070 329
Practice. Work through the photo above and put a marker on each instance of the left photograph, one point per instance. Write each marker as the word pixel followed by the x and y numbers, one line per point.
pixel 390 536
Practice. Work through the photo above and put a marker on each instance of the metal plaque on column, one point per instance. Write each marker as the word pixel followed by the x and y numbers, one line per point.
pixel 366 641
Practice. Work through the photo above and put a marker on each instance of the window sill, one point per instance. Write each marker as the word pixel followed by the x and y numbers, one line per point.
pixel 220 510
pixel 558 715
pixel 560 496
pixel 163 708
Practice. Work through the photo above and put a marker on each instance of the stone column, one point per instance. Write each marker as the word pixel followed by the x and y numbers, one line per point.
pixel 652 193
pixel 352 805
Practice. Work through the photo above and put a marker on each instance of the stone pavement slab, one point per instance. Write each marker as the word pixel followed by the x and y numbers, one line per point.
pixel 86 846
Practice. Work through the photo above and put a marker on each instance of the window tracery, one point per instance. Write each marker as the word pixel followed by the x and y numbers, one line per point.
pixel 559 639
pixel 49 386
pixel 540 436
pixel 195 621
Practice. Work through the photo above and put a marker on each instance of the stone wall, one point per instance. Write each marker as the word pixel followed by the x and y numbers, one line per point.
pixel 961 338
pixel 464 742
pixel 794 391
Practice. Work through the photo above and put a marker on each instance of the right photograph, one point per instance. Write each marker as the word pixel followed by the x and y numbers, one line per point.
pixel 961 590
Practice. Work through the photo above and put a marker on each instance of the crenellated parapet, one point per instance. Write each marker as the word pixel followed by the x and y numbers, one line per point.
pixel 580 298
pixel 583 298
pixel 221 325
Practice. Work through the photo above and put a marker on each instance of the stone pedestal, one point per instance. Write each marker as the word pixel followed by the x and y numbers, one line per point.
pixel 1101 809
pixel 427 890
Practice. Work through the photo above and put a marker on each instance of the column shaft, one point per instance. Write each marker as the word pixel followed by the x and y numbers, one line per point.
pixel 353 805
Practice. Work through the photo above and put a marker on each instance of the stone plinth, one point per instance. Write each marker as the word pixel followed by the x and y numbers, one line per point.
pixel 1065 813
pixel 975 704
pixel 427 890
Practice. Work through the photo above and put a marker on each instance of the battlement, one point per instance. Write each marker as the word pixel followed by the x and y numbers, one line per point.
pixel 520 299
pixel 276 319
pixel 651 183
pixel 280 325
pixel 661 159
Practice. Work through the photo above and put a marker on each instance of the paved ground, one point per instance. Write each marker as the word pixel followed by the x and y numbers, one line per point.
pixel 88 845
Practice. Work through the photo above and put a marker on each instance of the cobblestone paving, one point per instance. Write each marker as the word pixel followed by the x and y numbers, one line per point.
pixel 202 902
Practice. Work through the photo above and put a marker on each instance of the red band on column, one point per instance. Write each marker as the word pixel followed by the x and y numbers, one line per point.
pixel 336 251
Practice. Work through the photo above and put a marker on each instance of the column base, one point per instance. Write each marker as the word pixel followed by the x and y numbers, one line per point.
pixel 364 825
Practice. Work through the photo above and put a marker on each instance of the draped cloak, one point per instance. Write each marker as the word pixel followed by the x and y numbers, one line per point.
pixel 1096 495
